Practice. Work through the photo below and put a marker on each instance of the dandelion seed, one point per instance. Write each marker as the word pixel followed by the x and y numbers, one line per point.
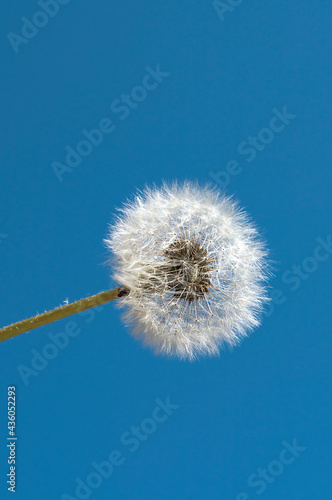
pixel 191 269
pixel 194 266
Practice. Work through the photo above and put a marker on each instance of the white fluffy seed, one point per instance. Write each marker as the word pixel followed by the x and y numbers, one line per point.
pixel 195 266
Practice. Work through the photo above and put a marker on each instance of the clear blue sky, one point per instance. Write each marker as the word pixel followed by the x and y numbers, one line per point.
pixel 210 111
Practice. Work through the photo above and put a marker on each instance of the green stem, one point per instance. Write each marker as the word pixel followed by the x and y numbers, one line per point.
pixel 61 312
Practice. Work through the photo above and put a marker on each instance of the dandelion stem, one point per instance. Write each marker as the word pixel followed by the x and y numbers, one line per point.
pixel 61 312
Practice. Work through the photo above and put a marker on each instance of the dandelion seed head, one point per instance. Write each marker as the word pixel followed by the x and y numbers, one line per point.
pixel 195 266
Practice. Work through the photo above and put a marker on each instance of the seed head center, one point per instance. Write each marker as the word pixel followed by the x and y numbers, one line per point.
pixel 188 269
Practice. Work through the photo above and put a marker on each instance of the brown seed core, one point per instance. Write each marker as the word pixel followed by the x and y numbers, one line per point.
pixel 187 269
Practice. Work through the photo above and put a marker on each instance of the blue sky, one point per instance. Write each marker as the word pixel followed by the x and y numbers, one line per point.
pixel 239 96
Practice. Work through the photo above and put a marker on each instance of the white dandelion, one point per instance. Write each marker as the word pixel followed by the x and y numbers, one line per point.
pixel 193 269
